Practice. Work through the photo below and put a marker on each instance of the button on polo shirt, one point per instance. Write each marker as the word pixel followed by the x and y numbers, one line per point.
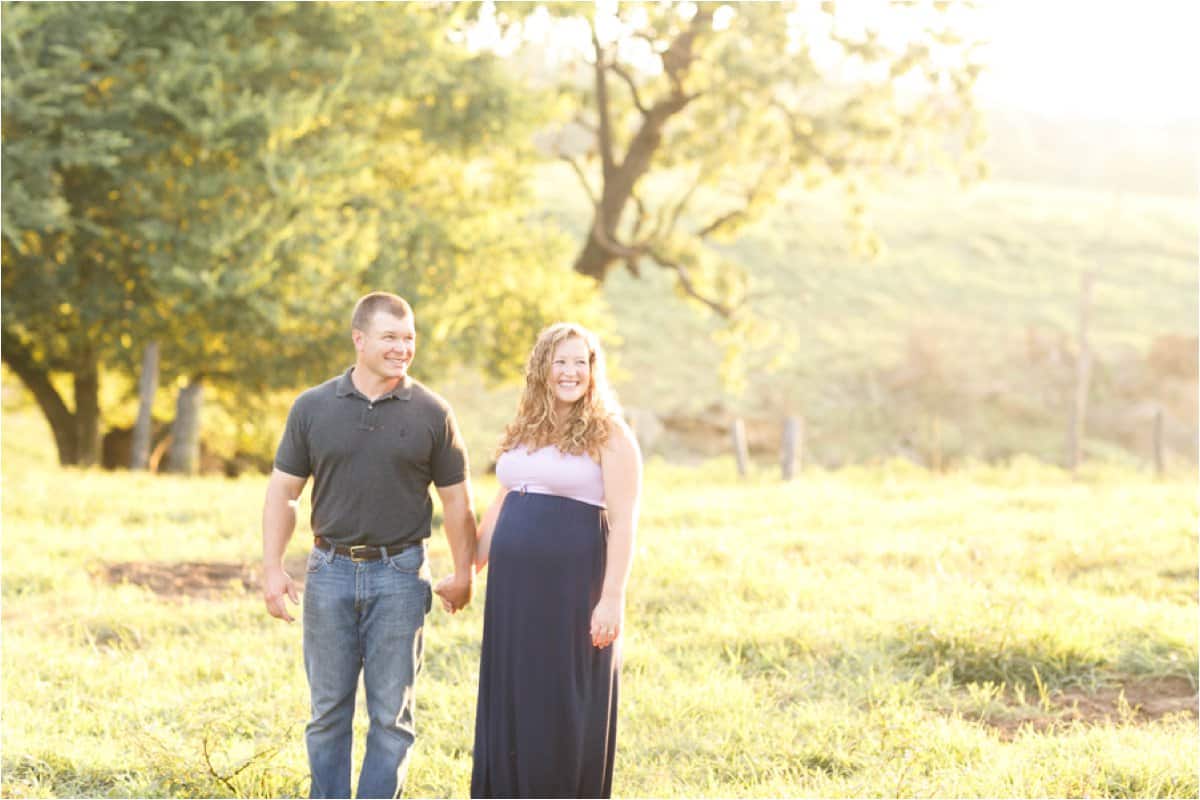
pixel 372 461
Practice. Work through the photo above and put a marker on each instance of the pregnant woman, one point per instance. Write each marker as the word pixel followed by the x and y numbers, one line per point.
pixel 559 538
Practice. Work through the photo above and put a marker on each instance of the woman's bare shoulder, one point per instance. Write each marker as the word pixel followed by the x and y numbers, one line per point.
pixel 620 436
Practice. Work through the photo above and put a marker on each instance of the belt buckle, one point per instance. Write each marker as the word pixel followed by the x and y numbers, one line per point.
pixel 354 554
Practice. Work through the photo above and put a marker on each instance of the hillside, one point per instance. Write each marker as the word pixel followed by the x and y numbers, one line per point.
pixel 959 340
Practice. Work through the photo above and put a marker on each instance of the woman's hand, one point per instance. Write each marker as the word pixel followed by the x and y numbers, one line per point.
pixel 607 619
pixel 455 591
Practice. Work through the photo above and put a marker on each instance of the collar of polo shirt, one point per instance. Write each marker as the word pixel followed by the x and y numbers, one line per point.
pixel 345 388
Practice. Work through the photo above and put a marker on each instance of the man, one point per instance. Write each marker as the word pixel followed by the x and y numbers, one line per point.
pixel 373 440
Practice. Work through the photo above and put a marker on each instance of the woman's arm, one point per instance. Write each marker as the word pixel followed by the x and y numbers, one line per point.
pixel 486 527
pixel 621 465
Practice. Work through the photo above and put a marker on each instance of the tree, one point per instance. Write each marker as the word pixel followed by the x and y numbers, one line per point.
pixel 226 179
pixel 65 276
pixel 695 115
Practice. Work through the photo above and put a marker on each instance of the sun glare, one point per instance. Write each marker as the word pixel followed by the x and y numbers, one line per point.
pixel 1111 60
pixel 1066 57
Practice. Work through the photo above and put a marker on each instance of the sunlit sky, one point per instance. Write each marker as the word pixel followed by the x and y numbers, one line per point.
pixel 1132 60
pixel 1126 60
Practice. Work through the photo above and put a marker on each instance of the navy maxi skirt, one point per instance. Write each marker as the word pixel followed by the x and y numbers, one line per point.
pixel 546 721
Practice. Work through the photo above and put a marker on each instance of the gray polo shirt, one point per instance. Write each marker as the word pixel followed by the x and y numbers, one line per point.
pixel 372 462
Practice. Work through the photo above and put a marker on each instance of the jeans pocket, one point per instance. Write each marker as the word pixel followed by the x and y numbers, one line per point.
pixel 317 560
pixel 408 561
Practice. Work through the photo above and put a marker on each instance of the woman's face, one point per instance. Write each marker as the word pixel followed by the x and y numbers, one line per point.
pixel 570 372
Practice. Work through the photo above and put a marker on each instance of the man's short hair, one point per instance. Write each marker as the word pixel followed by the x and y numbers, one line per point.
pixel 368 305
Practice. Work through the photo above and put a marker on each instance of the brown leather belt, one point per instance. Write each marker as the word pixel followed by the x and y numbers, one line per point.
pixel 360 552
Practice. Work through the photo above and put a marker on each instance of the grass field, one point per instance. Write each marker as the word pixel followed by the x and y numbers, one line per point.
pixel 997 631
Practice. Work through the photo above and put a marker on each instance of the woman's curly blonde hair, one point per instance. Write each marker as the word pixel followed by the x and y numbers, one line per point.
pixel 586 427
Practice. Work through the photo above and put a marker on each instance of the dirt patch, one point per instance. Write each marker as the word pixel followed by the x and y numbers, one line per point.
pixel 207 580
pixel 1135 701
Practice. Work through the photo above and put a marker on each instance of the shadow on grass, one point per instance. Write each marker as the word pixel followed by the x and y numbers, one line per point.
pixel 1041 683
pixel 209 580
pixel 972 657
pixel 54 775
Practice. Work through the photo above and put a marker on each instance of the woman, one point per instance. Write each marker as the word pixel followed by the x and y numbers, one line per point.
pixel 559 537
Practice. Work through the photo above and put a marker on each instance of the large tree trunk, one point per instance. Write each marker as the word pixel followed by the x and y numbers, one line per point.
pixel 37 379
pixel 594 260
pixel 87 410
pixel 595 257
pixel 621 176
pixel 184 455
pixel 139 456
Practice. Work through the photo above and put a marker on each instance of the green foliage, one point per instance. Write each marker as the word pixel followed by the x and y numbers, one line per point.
pixel 227 179
pixel 64 141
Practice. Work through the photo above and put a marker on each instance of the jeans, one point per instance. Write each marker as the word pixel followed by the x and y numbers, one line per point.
pixel 366 617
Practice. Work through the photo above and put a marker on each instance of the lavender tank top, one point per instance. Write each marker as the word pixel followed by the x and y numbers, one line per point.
pixel 551 471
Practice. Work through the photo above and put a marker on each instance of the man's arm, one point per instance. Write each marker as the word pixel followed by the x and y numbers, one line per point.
pixel 279 522
pixel 458 517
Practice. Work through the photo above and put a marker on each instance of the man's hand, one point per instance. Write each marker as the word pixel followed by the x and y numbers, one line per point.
pixel 277 584
pixel 456 590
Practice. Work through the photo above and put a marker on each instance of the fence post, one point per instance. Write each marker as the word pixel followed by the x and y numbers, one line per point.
pixel 740 450
pixel 792 449
pixel 1158 442
pixel 143 428
pixel 1077 426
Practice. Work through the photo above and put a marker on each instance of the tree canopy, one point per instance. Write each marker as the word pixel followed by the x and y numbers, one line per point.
pixel 683 120
pixel 229 178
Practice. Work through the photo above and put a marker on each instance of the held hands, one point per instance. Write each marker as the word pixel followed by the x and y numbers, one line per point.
pixel 277 585
pixel 607 621
pixel 456 590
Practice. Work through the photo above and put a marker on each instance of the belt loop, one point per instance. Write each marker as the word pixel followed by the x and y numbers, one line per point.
pixel 383 555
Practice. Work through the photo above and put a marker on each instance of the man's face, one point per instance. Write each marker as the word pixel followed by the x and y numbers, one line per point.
pixel 388 345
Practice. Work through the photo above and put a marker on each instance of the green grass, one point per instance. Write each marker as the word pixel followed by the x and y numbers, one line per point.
pixel 863 632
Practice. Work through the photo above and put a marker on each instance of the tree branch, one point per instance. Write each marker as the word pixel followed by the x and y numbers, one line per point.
pixel 832 163
pixel 623 73
pixel 737 213
pixel 585 124
pixel 641 214
pixel 587 187
pixel 633 265
pixel 677 211
pixel 615 248
pixel 604 135
pixel 677 58
pixel 716 224
pixel 685 281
